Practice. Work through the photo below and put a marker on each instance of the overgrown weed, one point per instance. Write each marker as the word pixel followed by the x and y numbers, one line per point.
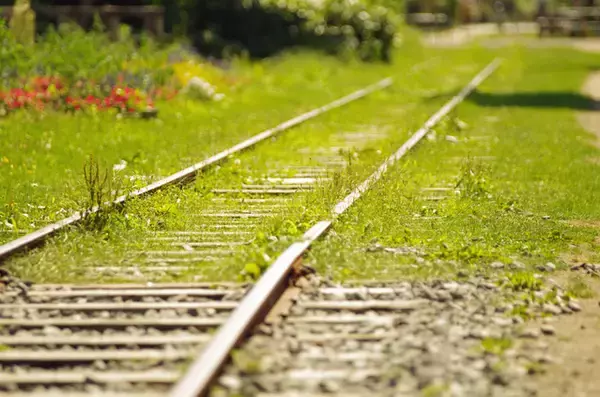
pixel 103 188
pixel 496 346
pixel 473 182
pixel 524 281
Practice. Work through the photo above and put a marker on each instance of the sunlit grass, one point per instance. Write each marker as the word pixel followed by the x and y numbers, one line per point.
pixel 517 172
pixel 512 158
pixel 394 112
pixel 42 155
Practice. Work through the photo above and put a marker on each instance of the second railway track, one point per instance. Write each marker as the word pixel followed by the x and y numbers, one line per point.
pixel 137 339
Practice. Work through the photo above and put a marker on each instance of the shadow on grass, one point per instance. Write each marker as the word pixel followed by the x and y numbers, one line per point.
pixel 568 100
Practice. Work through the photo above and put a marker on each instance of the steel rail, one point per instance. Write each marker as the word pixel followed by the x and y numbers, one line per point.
pixel 255 306
pixel 39 236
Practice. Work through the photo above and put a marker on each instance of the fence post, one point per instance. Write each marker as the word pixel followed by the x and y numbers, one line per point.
pixel 22 22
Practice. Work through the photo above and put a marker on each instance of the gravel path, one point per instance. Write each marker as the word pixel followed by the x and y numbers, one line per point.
pixel 437 338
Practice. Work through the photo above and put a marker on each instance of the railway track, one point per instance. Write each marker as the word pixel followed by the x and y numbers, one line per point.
pixel 383 339
pixel 110 339
pixel 139 338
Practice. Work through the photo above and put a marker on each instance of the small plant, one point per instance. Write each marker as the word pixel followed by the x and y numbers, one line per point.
pixel 258 261
pixel 252 271
pixel 102 190
pixel 244 362
pixel 524 281
pixel 496 346
pixel 520 310
pixel 434 390
pixel 550 297
pixel 473 182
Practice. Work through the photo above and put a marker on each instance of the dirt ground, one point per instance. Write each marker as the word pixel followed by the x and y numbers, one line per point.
pixel 590 120
pixel 490 36
pixel 575 348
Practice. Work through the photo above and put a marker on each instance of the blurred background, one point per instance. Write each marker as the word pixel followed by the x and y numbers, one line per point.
pixel 263 27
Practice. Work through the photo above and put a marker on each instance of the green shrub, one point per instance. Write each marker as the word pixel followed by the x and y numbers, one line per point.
pixel 263 27
pixel 76 55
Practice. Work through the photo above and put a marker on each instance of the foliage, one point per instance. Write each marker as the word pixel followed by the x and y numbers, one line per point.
pixel 524 281
pixel 260 27
pixel 185 71
pixel 496 346
pixel 70 69
pixel 263 27
pixel 369 30
pixel 77 55
pixel 473 182
pixel 11 51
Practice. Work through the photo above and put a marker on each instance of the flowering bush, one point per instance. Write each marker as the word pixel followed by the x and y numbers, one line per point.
pixel 45 92
pixel 69 69
pixel 72 70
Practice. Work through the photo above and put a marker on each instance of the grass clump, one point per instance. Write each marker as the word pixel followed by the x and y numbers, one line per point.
pixel 245 362
pixel 496 346
pixel 76 55
pixel 473 182
pixel 524 281
pixel 434 390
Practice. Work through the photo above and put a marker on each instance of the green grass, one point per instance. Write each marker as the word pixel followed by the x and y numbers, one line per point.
pixel 394 112
pixel 513 205
pixel 523 281
pixel 517 175
pixel 42 156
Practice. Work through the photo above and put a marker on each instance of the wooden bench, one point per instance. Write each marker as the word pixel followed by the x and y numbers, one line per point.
pixel 112 16
pixel 570 21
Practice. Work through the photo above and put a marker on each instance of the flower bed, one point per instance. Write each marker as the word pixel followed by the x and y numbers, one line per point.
pixel 72 70
pixel 51 93
pixel 75 71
